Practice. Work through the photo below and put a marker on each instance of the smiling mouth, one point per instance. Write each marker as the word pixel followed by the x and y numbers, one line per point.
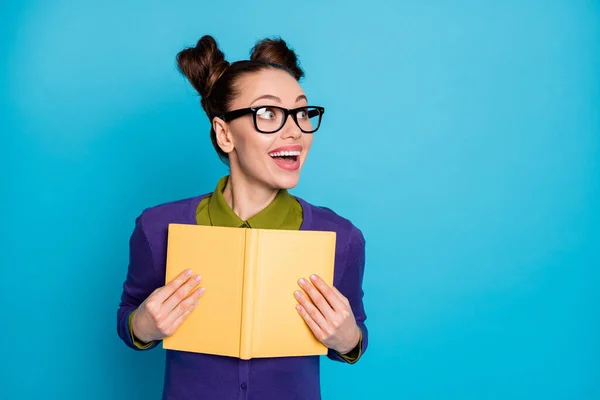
pixel 286 156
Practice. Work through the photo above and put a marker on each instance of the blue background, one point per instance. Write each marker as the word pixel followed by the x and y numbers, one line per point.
pixel 463 139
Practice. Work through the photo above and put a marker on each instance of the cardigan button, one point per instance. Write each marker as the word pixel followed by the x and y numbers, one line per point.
pixel 244 386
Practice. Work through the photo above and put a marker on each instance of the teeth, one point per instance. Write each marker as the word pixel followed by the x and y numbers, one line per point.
pixel 285 153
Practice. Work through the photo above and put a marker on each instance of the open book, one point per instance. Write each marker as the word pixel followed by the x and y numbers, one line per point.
pixel 250 275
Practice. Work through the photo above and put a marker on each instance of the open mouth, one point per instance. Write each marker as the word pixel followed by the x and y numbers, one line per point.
pixel 286 156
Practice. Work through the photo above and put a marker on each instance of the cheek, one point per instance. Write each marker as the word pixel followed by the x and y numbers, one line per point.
pixel 252 146
pixel 307 138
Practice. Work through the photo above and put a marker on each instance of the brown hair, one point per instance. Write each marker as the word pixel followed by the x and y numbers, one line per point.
pixel 214 78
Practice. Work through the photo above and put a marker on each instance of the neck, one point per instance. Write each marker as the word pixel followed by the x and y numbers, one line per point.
pixel 247 197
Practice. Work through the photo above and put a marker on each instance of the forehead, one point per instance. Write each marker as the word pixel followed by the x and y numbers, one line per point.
pixel 270 81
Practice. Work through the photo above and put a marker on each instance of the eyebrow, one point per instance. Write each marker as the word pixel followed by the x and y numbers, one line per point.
pixel 301 97
pixel 277 99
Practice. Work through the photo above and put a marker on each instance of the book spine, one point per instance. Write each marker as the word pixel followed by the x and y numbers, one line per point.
pixel 248 294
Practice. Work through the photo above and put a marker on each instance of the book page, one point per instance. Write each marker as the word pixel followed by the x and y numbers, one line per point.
pixel 217 254
pixel 283 257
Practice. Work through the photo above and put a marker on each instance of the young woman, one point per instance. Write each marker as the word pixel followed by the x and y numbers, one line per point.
pixel 262 127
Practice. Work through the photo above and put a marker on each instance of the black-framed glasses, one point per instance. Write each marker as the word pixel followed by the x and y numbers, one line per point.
pixel 270 119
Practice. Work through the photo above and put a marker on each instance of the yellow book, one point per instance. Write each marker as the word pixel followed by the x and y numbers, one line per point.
pixel 250 275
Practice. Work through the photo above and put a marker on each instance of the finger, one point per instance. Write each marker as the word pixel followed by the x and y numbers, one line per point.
pixel 184 305
pixel 343 298
pixel 181 293
pixel 328 293
pixel 186 310
pixel 317 298
pixel 166 291
pixel 312 311
pixel 314 327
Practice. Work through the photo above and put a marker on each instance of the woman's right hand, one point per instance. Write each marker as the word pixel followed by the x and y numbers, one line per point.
pixel 166 308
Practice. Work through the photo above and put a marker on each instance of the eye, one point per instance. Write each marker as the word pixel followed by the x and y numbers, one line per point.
pixel 266 113
pixel 302 114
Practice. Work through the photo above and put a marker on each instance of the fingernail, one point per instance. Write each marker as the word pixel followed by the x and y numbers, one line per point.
pixel 188 272
pixel 302 281
pixel 197 279
pixel 200 291
pixel 297 294
pixel 313 277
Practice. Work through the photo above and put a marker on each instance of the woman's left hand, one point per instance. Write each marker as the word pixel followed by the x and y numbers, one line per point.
pixel 328 315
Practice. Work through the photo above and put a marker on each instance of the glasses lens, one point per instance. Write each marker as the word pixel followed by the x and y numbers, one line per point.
pixel 269 119
pixel 309 119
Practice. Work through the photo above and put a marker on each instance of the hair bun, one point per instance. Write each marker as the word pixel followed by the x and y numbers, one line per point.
pixel 276 51
pixel 202 64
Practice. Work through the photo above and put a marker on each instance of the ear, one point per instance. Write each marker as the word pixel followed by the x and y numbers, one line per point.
pixel 223 135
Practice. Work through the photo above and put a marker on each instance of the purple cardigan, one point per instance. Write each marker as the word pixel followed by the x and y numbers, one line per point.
pixel 201 376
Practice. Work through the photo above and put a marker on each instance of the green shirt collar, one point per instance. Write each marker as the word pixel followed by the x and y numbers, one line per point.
pixel 275 216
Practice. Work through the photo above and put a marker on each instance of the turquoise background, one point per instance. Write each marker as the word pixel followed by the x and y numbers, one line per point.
pixel 462 137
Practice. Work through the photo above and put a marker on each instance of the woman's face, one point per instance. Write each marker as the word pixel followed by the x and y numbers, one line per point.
pixel 258 156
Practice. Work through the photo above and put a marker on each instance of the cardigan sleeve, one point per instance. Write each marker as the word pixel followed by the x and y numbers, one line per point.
pixel 141 281
pixel 350 285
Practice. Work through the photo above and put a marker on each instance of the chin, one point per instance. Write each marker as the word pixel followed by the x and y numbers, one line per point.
pixel 287 181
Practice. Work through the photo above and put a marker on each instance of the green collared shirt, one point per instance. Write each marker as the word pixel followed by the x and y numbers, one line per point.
pixel 284 212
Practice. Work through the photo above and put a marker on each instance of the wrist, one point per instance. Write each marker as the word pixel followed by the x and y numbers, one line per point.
pixel 136 331
pixel 355 341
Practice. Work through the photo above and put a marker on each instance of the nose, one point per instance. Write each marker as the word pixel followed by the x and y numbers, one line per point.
pixel 290 129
